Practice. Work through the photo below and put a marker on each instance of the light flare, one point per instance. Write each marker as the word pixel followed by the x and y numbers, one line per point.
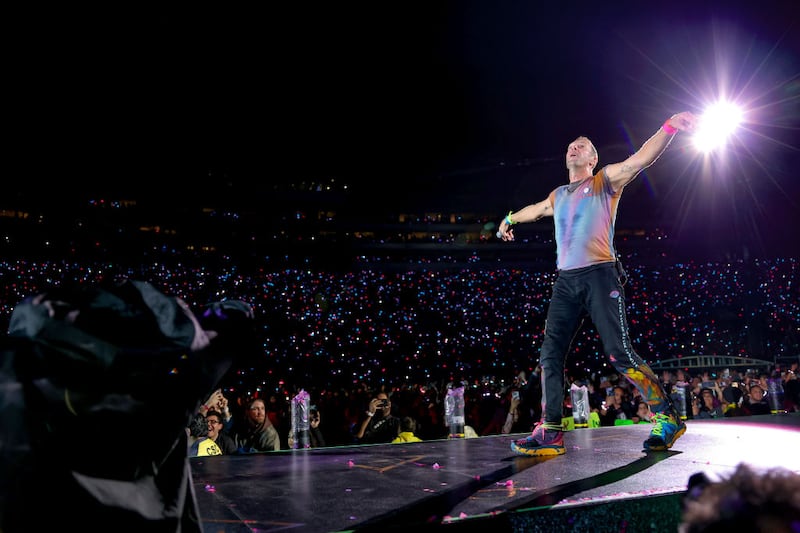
pixel 716 125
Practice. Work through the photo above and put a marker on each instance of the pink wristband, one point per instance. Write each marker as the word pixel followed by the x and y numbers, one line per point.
pixel 669 129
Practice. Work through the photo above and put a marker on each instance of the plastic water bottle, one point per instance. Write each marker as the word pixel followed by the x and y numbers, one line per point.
pixel 679 399
pixel 580 405
pixel 454 411
pixel 300 425
pixel 775 395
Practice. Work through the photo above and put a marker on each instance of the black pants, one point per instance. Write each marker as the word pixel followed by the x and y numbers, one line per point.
pixel 596 290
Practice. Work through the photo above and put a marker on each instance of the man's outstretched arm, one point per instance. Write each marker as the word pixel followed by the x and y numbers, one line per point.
pixel 529 213
pixel 620 174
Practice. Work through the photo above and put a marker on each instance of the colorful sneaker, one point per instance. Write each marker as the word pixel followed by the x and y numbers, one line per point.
pixel 543 441
pixel 667 429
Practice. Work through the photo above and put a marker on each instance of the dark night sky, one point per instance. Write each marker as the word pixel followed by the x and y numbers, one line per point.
pixel 443 103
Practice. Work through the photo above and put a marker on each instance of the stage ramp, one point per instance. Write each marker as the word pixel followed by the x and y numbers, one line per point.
pixel 605 482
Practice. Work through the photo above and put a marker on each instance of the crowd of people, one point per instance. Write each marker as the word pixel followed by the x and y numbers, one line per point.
pixel 346 337
pixel 335 329
pixel 412 412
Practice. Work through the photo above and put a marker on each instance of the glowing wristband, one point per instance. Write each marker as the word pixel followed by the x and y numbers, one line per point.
pixel 669 129
pixel 508 219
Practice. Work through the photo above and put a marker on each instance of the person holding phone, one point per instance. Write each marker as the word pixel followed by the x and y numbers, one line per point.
pixel 516 419
pixel 379 426
pixel 219 403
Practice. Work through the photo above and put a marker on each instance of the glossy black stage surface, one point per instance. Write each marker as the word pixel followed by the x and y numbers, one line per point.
pixel 476 483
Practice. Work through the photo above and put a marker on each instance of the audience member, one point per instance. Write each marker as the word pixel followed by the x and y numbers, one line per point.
pixel 254 432
pixel 216 432
pixel 668 380
pixel 518 419
pixel 408 427
pixel 746 500
pixel 314 432
pixel 643 413
pixel 734 398
pixel 218 402
pixel 380 425
pixel 756 402
pixel 707 405
pixel 530 393
pixel 763 381
pixel 199 442
pixel 615 408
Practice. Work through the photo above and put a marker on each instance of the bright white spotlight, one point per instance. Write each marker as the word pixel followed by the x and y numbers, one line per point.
pixel 716 125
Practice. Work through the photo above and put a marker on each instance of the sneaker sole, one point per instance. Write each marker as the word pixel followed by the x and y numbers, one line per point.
pixel 664 447
pixel 538 452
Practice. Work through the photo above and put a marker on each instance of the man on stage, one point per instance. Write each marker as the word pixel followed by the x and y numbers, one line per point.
pixel 590 280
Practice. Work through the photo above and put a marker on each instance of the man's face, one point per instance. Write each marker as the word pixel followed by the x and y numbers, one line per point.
pixel 257 412
pixel 214 425
pixel 580 154
pixel 756 393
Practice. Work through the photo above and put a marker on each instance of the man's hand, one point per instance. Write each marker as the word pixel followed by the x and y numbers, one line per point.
pixel 684 121
pixel 505 232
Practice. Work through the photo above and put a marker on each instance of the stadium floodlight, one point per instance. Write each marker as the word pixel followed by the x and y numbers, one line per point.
pixel 716 124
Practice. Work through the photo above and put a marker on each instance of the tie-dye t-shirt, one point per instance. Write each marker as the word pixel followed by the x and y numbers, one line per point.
pixel 584 214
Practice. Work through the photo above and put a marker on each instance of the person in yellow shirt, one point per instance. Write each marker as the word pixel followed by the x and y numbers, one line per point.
pixel 407 428
pixel 200 444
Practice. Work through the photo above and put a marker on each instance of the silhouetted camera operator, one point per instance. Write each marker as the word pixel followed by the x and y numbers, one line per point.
pixel 99 385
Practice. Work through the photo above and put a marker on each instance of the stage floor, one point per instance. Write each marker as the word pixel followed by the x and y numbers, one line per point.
pixel 447 482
